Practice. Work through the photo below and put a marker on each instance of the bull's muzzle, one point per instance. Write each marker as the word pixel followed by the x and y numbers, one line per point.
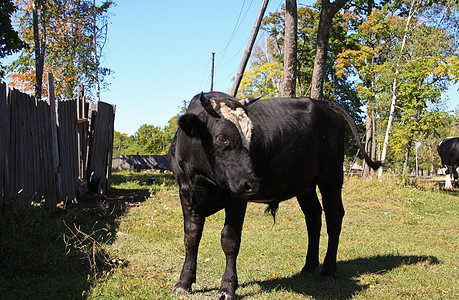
pixel 251 187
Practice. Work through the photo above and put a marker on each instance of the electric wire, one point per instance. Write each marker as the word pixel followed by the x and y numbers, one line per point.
pixel 236 28
pixel 237 25
pixel 205 74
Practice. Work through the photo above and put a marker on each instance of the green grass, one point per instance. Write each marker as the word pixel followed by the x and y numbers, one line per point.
pixel 399 240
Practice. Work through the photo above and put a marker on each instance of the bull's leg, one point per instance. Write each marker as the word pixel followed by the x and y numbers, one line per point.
pixel 231 241
pixel 454 171
pixel 334 213
pixel 193 226
pixel 455 175
pixel 448 180
pixel 312 210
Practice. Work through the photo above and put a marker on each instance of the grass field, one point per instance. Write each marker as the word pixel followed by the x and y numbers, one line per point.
pixel 399 240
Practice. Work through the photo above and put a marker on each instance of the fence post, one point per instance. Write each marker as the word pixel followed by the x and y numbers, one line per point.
pixel 101 143
pixel 54 140
pixel 83 140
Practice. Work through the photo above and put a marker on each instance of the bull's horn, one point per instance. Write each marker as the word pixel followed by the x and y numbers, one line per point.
pixel 247 101
pixel 205 102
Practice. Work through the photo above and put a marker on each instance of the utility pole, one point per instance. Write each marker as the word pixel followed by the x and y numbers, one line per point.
pixel 212 73
pixel 248 50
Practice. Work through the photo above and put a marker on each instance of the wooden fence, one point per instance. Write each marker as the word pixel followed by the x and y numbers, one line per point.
pixel 53 151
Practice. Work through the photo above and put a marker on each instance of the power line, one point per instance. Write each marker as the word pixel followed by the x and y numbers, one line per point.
pixel 237 25
pixel 205 73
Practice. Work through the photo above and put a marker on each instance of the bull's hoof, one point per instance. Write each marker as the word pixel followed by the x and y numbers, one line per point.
pixel 224 296
pixel 307 270
pixel 180 290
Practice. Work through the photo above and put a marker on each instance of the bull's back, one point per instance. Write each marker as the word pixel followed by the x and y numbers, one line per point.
pixel 296 143
pixel 448 150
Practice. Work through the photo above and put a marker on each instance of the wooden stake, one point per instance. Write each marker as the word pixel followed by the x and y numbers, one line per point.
pixel 54 124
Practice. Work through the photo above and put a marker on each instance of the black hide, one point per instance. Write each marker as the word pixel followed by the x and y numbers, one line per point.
pixel 295 145
pixel 448 150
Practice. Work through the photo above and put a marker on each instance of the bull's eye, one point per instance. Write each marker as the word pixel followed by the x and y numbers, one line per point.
pixel 222 140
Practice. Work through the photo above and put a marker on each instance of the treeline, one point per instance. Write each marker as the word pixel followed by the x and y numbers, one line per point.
pixel 63 37
pixel 389 63
pixel 147 140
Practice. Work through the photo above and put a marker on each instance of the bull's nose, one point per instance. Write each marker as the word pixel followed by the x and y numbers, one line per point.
pixel 251 187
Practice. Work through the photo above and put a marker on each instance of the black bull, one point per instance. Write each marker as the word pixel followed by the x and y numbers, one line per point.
pixel 448 150
pixel 227 152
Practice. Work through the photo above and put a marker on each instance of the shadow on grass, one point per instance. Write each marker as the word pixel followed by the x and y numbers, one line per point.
pixel 346 284
pixel 60 255
pixel 454 192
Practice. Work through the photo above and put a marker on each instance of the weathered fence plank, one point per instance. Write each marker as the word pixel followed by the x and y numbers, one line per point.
pixel 68 151
pixel 53 123
pixel 83 131
pixel 44 148
pixel 100 145
pixel 49 183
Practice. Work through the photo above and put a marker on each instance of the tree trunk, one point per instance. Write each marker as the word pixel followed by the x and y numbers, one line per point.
pixel 395 90
pixel 327 12
pixel 373 134
pixel 288 88
pixel 39 48
pixel 407 153
pixel 369 141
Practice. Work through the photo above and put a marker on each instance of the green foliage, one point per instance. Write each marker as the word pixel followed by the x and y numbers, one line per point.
pixel 148 139
pixel 67 29
pixel 9 38
pixel 265 73
pixel 424 73
pixel 123 144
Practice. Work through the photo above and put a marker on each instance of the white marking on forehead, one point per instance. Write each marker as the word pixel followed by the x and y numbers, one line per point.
pixel 239 118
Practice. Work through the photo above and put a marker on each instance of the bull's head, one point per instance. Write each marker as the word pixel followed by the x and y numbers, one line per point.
pixel 224 132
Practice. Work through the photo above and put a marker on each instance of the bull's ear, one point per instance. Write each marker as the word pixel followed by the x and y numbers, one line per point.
pixel 191 125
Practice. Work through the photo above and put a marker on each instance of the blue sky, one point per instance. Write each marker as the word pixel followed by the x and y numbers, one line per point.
pixel 160 52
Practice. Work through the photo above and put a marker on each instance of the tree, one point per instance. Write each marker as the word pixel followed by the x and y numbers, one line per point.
pixel 419 83
pixel 9 38
pixel 394 89
pixel 422 52
pixel 288 88
pixel 66 31
pixel 39 36
pixel 265 73
pixel 124 144
pixel 327 11
pixel 364 61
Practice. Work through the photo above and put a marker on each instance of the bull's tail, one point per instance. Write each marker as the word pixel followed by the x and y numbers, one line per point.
pixel 339 109
pixel 272 208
